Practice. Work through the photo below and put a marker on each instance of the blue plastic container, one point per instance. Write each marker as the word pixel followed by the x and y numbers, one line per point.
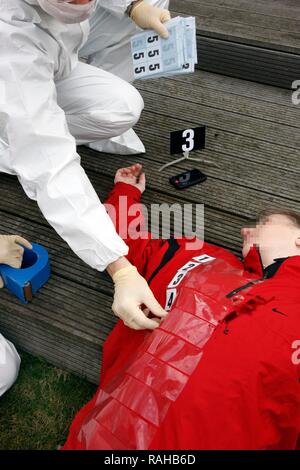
pixel 33 274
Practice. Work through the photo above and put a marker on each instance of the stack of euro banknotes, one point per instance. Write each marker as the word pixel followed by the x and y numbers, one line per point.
pixel 154 56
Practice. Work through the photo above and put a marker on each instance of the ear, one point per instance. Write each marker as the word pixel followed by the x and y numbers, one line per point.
pixel 297 242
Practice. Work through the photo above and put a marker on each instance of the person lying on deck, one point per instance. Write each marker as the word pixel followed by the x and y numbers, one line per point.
pixel 11 253
pixel 222 370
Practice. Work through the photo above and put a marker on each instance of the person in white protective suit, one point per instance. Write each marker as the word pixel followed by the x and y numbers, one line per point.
pixel 11 253
pixel 49 101
pixel 9 364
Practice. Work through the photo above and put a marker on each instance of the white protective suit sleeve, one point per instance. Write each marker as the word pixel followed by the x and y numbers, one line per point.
pixel 117 7
pixel 43 155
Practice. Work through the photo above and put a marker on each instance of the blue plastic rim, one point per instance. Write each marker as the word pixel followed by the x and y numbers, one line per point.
pixel 30 257
pixel 35 270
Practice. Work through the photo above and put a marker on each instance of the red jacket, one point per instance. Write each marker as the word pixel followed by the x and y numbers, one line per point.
pixel 221 372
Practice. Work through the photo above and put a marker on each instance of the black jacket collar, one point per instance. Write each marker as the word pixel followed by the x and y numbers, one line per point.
pixel 272 269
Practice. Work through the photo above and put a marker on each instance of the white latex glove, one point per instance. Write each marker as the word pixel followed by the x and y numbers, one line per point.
pixel 132 291
pixel 11 253
pixel 149 17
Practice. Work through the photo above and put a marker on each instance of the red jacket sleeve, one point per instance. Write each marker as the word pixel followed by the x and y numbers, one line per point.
pixel 124 208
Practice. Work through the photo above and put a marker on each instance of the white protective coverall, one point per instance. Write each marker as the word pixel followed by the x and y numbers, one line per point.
pixel 48 99
pixel 9 364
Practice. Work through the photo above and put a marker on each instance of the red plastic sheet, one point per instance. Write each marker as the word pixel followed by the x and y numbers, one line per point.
pixel 130 409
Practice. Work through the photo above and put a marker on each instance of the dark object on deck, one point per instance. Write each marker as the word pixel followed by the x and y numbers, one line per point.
pixel 187 179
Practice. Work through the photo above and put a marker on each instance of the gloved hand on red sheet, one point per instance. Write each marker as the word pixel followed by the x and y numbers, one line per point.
pixel 131 289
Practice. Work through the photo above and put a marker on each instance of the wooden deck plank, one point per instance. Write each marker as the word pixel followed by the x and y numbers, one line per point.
pixel 274 26
pixel 248 62
pixel 220 141
pixel 230 86
pixel 82 313
pixel 239 197
pixel 279 8
pixel 61 350
pixel 218 118
pixel 206 10
pixel 238 173
pixel 286 114
pixel 220 228
pixel 255 41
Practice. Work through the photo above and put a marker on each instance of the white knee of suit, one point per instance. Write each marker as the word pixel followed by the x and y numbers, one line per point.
pixel 9 365
pixel 126 110
pixel 135 104
pixel 99 123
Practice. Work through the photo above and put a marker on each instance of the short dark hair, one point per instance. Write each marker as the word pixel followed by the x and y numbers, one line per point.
pixel 294 216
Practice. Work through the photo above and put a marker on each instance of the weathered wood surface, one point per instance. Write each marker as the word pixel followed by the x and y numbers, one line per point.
pixel 253 133
pixel 255 63
pixel 256 40
pixel 264 23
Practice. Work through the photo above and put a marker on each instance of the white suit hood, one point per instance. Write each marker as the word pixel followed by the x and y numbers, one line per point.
pixel 117 7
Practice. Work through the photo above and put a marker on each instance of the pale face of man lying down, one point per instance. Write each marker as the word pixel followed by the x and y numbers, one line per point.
pixel 276 236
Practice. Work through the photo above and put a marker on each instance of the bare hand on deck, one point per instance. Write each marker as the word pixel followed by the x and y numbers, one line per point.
pixel 132 175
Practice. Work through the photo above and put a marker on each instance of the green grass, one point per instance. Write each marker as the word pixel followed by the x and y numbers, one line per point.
pixel 37 411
